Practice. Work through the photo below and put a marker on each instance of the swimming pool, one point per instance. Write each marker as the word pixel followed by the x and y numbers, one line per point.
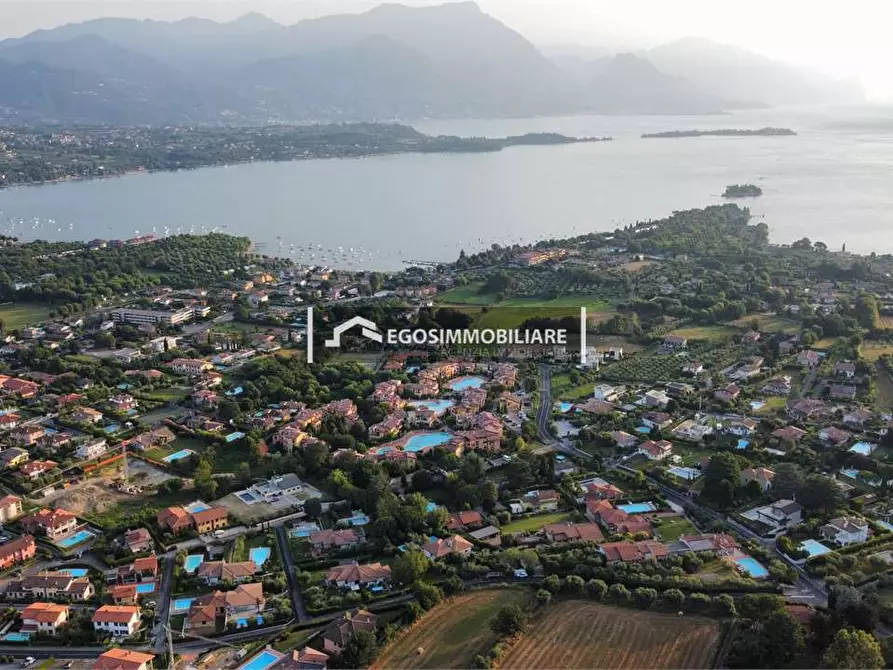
pixel 756 405
pixel 645 430
pixel 304 530
pixel 177 455
pixel 259 555
pixel 191 563
pixel 752 567
pixel 852 473
pixel 426 441
pixel 263 660
pixel 437 406
pixel 687 474
pixel 247 497
pixel 742 444
pixel 146 587
pixel 182 604
pixel 197 506
pixel 355 520
pixel 814 548
pixel 464 383
pixel 77 538
pixel 884 525
pixel 232 437
pixel 638 508
pixel 75 572
pixel 17 637
pixel 112 428
pixel 565 407
pixel 862 448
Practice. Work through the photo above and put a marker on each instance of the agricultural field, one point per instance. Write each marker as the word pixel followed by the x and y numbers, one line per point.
pixel 884 388
pixel 769 323
pixel 21 314
pixel 451 634
pixel 652 367
pixel 872 350
pixel 470 295
pixel 886 322
pixel 575 634
pixel 711 333
pixel 533 523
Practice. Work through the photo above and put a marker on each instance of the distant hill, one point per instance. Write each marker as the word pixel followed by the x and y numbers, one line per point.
pixel 390 63
pixel 735 73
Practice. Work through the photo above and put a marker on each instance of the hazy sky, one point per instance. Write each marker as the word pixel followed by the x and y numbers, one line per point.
pixel 838 38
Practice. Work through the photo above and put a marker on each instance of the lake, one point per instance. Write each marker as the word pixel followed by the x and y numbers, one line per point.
pixel 832 182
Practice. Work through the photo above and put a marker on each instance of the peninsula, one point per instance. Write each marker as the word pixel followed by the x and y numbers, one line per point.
pixel 723 132
pixel 742 191
pixel 51 154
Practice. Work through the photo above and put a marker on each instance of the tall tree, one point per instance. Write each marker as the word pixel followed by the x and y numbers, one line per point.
pixel 854 649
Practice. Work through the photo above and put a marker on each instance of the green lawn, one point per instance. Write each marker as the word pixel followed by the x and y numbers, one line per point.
pixel 21 314
pixel 563 389
pixel 295 639
pixel 671 529
pixel 82 358
pixel 469 295
pixel 534 523
pixel 705 332
pixel 769 323
pixel 170 393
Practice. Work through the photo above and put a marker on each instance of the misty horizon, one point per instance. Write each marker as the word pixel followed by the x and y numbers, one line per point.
pixel 584 29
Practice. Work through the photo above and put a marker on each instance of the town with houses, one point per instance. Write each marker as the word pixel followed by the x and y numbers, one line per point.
pixel 180 488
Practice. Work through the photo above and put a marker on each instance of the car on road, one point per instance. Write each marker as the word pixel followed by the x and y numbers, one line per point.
pixel 29 661
pixel 68 666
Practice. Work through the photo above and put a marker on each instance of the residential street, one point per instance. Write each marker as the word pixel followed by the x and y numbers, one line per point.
pixel 297 603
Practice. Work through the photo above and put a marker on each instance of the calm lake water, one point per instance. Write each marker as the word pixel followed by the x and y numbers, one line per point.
pixel 832 182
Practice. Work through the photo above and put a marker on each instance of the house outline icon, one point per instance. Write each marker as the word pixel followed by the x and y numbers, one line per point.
pixel 369 331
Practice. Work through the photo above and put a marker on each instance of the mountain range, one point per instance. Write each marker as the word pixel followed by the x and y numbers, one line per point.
pixel 392 62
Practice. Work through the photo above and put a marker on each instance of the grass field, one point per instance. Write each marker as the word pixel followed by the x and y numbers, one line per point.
pixel 769 323
pixel 535 522
pixel 872 350
pixel 469 295
pixel 21 314
pixel 705 332
pixel 575 634
pixel 563 389
pixel 886 322
pixel 369 361
pixel 453 633
pixel 671 529
pixel 883 388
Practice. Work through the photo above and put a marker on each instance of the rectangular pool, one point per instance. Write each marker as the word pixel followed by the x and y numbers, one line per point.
pixel 688 474
pixel 752 567
pixel 263 660
pixel 75 572
pixel 145 587
pixel 862 448
pixel 191 563
pixel 638 508
pixel 259 555
pixel 197 506
pixel 182 604
pixel 178 455
pixel 814 548
pixel 17 637
pixel 77 538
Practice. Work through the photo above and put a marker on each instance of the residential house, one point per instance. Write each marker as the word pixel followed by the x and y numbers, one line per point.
pixel 337 633
pixel 246 600
pixel 675 342
pixel 845 369
pixel 119 658
pixel 54 523
pixel 545 500
pixel 614 354
pixel 462 521
pixel 606 393
pixel 191 367
pixel 808 358
pixel 440 547
pixel 36 469
pixel 388 428
pixel 727 393
pixel 138 540
pixel 174 519
pixel 836 436
pixel 305 658
pixel 601 490
pixel 221 572
pixel 750 337
pixel 693 368
pixel 789 434
pixel 210 520
pixel 720 543
pixel 117 620
pixel 740 426
pixel 777 517
pixel 806 409
pixel 656 451
pixel 842 392
pixel 28 436
pixel 354 576
pixel 51 585
pixel 597 407
pixel 615 520
pixel 123 402
pixel 10 508
pixel 656 398
pixel 92 448
pixel 679 390
pixel 857 418
pixel 46 618
pixel 622 439
pixel 12 457
pixel 845 530
pixel 15 551
pixel 489 535
pixel 323 541
pixel 633 552
pixel 781 386
pixel 573 532
pixel 86 415
pixel 762 476
pixel 656 420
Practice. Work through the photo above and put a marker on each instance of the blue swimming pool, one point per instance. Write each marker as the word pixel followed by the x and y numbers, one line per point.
pixel 262 661
pixel 259 555
pixel 77 538
pixel 182 604
pixel 638 508
pixel 355 520
pixel 146 587
pixel 645 430
pixel 814 548
pixel 757 405
pixel 463 383
pixel 688 474
pixel 852 473
pixel 191 563
pixel 437 406
pixel 197 506
pixel 17 637
pixel 565 407
pixel 742 444
pixel 426 441
pixel 247 497
pixel 236 435
pixel 176 456
pixel 75 572
pixel 752 567
pixel 862 448
pixel 112 428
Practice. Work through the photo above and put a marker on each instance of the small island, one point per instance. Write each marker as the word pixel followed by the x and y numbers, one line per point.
pixel 723 132
pixel 742 191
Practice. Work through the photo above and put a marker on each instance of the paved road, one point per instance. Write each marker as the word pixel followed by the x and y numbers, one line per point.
pixel 200 327
pixel 544 411
pixel 163 602
pixel 810 380
pixel 297 603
